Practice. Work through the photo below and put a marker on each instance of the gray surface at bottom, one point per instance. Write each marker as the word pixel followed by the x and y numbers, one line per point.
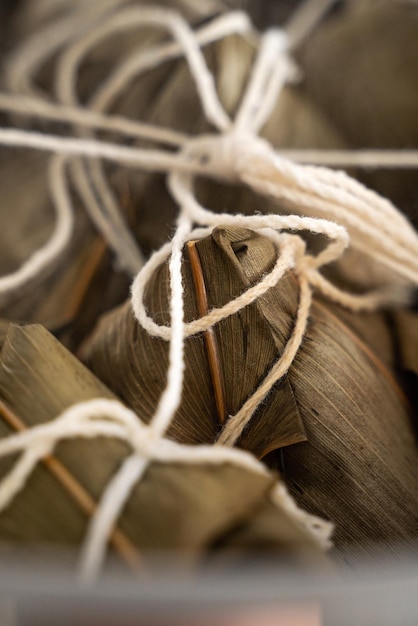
pixel 376 594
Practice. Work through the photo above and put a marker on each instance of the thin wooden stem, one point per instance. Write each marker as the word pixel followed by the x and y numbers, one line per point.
pixel 209 335
pixel 83 283
pixel 81 497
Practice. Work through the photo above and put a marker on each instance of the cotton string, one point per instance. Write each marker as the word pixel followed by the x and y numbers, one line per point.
pixel 330 203
pixel 133 129
pixel 72 59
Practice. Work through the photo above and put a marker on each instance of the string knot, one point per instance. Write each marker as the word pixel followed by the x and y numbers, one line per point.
pixel 225 156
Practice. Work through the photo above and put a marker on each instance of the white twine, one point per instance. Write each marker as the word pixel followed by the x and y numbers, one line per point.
pixel 59 238
pixel 134 129
pixel 109 418
pixel 328 203
pixel 89 178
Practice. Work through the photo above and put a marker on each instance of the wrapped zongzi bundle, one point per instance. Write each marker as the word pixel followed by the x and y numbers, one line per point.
pixel 226 503
pixel 338 425
pixel 273 344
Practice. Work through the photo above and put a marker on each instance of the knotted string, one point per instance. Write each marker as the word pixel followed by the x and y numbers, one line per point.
pixel 328 203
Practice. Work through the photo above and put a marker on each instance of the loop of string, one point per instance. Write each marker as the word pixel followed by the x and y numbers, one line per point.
pixel 89 178
pixel 271 71
pixel 109 222
pixel 96 194
pixel 325 202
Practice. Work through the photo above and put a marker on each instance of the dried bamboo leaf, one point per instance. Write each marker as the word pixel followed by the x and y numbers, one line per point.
pixel 267 534
pixel 374 331
pixel 4 325
pixel 360 69
pixel 358 422
pixel 406 323
pixel 39 379
pixel 176 506
pixel 65 298
pixel 364 52
pixel 31 223
pixel 135 364
pixel 359 464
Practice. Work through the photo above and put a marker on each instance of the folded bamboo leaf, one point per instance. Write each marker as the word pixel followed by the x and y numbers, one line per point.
pixel 175 507
pixel 135 364
pixel 359 464
pixel 267 534
pixel 66 302
pixel 358 423
pixel 39 379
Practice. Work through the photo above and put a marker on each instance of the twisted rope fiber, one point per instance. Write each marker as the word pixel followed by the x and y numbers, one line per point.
pixel 330 203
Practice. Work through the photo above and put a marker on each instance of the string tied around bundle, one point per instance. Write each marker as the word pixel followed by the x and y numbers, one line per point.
pixel 322 201
pixel 376 228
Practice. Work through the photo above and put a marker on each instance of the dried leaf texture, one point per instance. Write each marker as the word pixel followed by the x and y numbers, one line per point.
pixel 353 55
pixel 64 298
pixel 246 345
pixel 359 464
pixel 84 283
pixel 39 378
pixel 360 70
